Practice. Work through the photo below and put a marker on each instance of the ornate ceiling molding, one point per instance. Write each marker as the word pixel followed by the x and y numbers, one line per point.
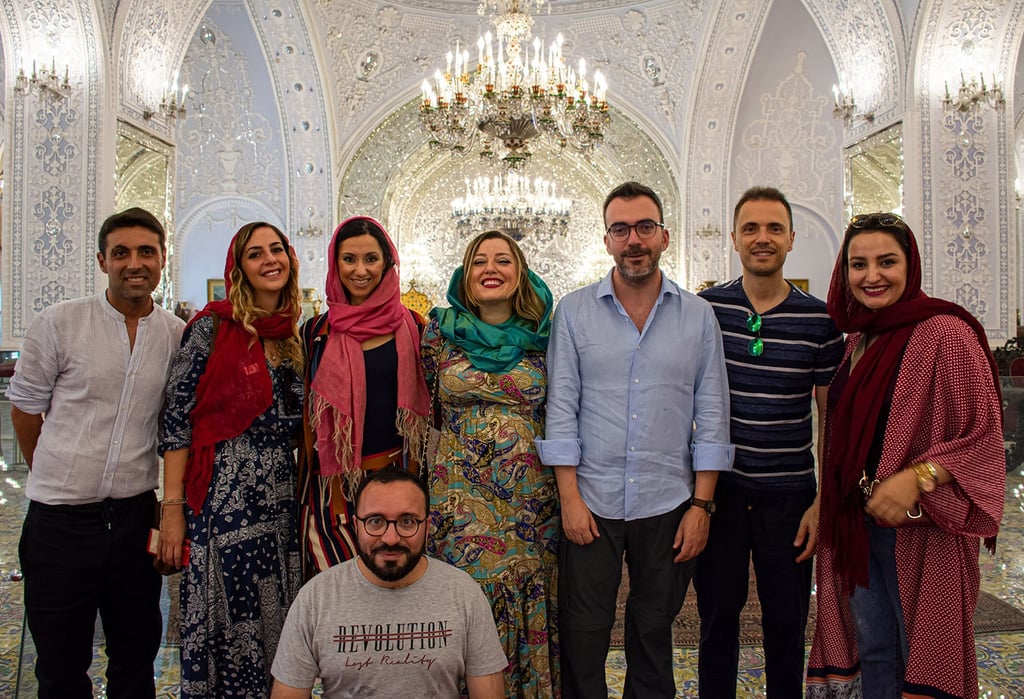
pixel 728 50
pixel 287 40
pixel 150 47
pixel 377 55
pixel 868 54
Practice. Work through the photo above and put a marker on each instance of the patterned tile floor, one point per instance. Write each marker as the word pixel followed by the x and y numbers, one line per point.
pixel 1000 656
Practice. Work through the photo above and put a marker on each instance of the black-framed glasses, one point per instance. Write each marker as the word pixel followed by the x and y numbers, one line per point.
pixel 377 525
pixel 755 348
pixel 644 229
pixel 880 219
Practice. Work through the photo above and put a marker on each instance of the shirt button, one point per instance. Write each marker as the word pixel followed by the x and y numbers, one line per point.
pixel 632 448
pixel 636 380
pixel 630 480
pixel 634 417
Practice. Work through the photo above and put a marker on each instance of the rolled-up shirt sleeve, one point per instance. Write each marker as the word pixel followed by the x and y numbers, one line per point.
pixel 711 449
pixel 37 369
pixel 561 445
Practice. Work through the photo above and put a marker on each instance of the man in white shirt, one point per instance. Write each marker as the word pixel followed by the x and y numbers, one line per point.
pixel 392 622
pixel 96 368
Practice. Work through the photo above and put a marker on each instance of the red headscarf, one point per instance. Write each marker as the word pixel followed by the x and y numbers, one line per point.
pixel 339 388
pixel 235 388
pixel 854 414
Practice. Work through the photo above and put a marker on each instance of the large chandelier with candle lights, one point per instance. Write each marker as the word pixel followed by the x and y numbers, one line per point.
pixel 516 94
pixel 511 203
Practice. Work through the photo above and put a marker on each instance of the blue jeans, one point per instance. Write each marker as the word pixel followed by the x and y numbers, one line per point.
pixel 878 617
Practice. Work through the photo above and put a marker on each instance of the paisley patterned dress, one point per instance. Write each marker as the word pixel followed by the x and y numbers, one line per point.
pixel 494 507
pixel 244 568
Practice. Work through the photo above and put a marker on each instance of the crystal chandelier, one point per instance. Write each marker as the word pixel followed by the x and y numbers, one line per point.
pixel 514 95
pixel 513 204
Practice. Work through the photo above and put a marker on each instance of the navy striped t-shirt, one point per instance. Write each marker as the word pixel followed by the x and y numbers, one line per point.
pixel 771 394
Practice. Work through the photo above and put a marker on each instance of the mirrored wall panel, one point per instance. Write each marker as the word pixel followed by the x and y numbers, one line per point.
pixel 874 173
pixel 145 178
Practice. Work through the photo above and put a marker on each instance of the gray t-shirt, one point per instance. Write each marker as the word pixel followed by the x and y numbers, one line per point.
pixel 362 640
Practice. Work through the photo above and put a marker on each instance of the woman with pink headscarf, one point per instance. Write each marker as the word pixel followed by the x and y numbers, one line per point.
pixel 366 398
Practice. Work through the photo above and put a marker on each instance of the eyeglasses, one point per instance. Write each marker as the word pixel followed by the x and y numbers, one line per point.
pixel 755 348
pixel 644 229
pixel 876 220
pixel 377 525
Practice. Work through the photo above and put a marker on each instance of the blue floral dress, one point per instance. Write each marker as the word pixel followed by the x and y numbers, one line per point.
pixel 494 506
pixel 244 569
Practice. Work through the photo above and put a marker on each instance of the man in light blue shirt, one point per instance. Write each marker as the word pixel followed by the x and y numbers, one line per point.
pixel 637 432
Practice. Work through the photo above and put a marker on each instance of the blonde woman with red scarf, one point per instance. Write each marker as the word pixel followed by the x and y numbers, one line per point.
pixel 366 398
pixel 913 479
pixel 234 402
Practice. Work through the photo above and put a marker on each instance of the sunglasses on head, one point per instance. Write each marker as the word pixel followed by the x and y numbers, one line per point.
pixel 878 220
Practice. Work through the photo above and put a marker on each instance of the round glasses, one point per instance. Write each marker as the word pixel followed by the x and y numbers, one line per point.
pixel 377 525
pixel 644 229
pixel 755 348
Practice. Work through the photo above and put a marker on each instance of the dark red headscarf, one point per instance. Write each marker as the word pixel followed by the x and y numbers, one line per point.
pixel 854 414
pixel 235 388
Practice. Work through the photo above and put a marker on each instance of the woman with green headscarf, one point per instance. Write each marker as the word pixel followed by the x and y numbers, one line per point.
pixel 494 506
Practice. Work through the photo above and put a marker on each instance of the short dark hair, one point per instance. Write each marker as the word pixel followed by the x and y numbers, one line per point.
pixel 134 216
pixel 632 190
pixel 391 474
pixel 762 194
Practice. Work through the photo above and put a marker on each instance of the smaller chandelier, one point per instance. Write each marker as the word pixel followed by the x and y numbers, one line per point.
pixel 513 204
pixel 516 95
pixel 972 94
pixel 45 81
pixel 844 107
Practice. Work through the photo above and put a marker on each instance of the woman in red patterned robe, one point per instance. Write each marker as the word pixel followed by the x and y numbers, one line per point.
pixel 913 478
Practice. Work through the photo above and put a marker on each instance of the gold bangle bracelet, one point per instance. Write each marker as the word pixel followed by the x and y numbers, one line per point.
pixel 172 501
pixel 932 470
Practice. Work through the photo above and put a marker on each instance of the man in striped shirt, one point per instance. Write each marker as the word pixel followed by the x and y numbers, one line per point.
pixel 781 350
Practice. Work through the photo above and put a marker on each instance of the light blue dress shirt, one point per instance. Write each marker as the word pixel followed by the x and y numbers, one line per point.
pixel 637 412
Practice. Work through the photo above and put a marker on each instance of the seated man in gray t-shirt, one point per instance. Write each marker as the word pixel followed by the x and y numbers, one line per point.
pixel 391 623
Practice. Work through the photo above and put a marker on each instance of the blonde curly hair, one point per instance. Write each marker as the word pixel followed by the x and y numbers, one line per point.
pixel 243 298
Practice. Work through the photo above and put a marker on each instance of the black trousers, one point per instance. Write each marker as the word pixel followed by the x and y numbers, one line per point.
pixel 588 583
pixel 759 526
pixel 79 560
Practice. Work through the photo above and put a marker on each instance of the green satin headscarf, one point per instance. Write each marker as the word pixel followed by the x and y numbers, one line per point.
pixel 494 348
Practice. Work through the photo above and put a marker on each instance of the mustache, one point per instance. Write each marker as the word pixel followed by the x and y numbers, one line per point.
pixel 391 548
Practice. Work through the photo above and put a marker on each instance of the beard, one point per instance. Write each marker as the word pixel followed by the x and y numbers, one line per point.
pixel 637 274
pixel 391 571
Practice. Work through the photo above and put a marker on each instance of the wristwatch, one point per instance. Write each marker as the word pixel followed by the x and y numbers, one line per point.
pixel 706 505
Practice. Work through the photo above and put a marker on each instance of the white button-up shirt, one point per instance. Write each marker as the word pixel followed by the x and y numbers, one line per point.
pixel 101 398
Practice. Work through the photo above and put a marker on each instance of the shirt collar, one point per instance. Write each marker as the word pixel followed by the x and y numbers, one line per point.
pixel 605 287
pixel 109 309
